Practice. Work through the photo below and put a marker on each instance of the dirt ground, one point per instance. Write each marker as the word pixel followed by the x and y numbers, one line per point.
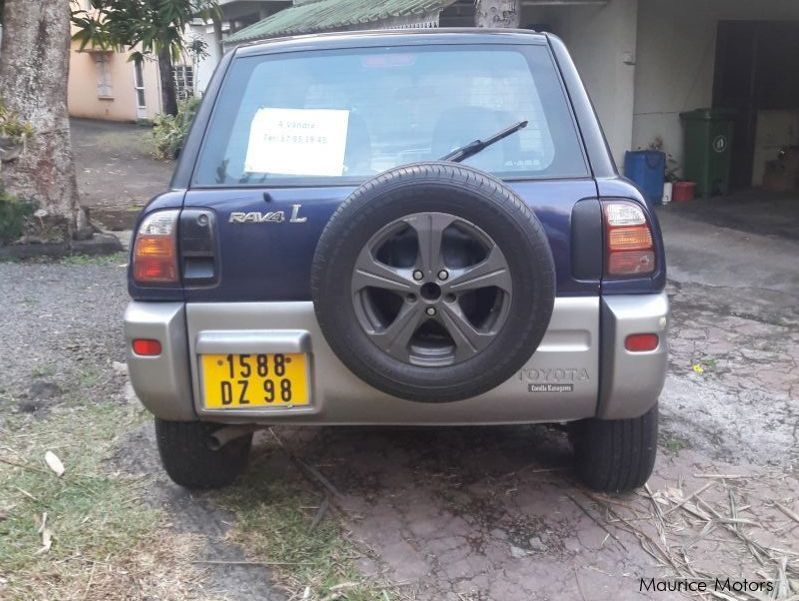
pixel 471 514
pixel 116 173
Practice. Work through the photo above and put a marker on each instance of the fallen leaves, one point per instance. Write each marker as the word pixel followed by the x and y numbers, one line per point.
pixel 46 534
pixel 54 463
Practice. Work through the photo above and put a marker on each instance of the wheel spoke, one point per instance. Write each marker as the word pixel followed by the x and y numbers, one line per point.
pixel 491 271
pixel 428 290
pixel 429 229
pixel 394 339
pixel 468 340
pixel 369 272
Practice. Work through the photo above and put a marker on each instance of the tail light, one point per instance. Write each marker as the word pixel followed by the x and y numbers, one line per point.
pixel 155 255
pixel 629 248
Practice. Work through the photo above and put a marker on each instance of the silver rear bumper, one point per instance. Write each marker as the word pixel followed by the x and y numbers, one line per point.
pixel 560 382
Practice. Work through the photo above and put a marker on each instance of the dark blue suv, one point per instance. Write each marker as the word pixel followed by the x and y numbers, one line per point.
pixel 398 228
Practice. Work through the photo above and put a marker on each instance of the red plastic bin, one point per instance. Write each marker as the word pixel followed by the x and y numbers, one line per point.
pixel 683 191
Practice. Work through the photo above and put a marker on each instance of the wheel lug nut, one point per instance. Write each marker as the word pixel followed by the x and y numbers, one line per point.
pixel 418 275
pixel 443 274
pixel 430 311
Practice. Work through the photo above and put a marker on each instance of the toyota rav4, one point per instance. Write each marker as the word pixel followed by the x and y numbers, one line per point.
pixel 398 228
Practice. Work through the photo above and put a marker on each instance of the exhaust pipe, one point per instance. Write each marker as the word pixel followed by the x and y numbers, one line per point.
pixel 224 435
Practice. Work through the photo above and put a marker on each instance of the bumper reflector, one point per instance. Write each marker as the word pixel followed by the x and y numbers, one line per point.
pixel 146 347
pixel 638 343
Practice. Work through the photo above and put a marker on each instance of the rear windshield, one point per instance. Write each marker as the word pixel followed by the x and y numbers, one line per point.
pixel 344 115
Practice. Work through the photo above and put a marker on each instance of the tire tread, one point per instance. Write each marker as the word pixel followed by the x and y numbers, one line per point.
pixel 190 462
pixel 616 455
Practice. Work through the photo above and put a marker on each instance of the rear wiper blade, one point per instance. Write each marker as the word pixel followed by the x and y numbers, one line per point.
pixel 472 148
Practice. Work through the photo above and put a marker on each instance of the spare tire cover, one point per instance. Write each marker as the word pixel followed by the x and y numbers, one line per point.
pixel 433 282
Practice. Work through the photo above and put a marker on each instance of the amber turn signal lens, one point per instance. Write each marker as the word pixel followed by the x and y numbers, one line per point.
pixel 146 347
pixel 629 238
pixel 638 343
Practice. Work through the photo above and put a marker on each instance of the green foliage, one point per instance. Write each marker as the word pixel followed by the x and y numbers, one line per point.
pixel 155 24
pixel 170 132
pixel 197 48
pixel 14 215
pixel 11 126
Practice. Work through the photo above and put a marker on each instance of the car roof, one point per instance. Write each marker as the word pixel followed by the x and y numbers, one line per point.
pixel 392 37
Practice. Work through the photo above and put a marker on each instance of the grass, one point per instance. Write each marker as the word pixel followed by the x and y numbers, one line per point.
pixel 42 371
pixel 106 541
pixel 119 259
pixel 112 260
pixel 277 523
pixel 675 444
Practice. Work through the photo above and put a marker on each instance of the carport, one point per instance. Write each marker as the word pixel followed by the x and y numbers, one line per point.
pixel 646 61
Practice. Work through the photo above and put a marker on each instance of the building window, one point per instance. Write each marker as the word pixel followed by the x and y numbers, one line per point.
pixel 184 81
pixel 138 83
pixel 104 89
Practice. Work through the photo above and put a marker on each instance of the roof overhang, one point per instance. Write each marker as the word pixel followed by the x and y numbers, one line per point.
pixel 312 16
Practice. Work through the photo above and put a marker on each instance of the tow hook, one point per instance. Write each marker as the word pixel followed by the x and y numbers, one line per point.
pixel 224 435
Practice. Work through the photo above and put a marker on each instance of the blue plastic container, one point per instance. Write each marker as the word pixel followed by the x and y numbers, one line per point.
pixel 647 168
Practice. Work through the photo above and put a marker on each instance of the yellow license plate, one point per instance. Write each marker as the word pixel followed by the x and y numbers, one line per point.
pixel 263 380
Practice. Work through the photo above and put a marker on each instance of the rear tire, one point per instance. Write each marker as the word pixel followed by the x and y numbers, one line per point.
pixel 615 455
pixel 188 459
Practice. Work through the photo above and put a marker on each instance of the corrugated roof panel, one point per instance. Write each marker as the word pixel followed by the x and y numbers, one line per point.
pixel 324 15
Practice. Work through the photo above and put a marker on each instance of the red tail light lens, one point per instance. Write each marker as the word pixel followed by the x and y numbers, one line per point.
pixel 155 251
pixel 629 248
pixel 638 343
pixel 146 347
pixel 631 262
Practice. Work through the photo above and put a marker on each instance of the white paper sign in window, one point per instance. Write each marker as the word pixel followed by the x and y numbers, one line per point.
pixel 297 142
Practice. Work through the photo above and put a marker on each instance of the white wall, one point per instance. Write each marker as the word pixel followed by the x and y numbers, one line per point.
pixel 676 55
pixel 205 66
pixel 601 39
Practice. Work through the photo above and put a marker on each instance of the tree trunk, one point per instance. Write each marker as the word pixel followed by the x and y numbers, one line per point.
pixel 218 37
pixel 169 94
pixel 34 66
pixel 497 13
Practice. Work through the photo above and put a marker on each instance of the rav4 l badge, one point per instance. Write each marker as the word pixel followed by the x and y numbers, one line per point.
pixel 268 217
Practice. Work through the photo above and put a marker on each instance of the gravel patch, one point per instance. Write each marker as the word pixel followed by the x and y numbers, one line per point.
pixel 61 323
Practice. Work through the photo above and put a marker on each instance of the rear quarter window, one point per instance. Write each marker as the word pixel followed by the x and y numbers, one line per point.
pixel 345 115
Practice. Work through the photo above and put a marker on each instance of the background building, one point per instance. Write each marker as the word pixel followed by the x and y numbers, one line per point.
pixel 643 61
pixel 107 85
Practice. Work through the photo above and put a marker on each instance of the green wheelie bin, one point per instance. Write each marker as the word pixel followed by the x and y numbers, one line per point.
pixel 708 150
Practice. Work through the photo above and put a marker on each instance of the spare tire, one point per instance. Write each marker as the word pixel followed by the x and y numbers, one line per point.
pixel 433 282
